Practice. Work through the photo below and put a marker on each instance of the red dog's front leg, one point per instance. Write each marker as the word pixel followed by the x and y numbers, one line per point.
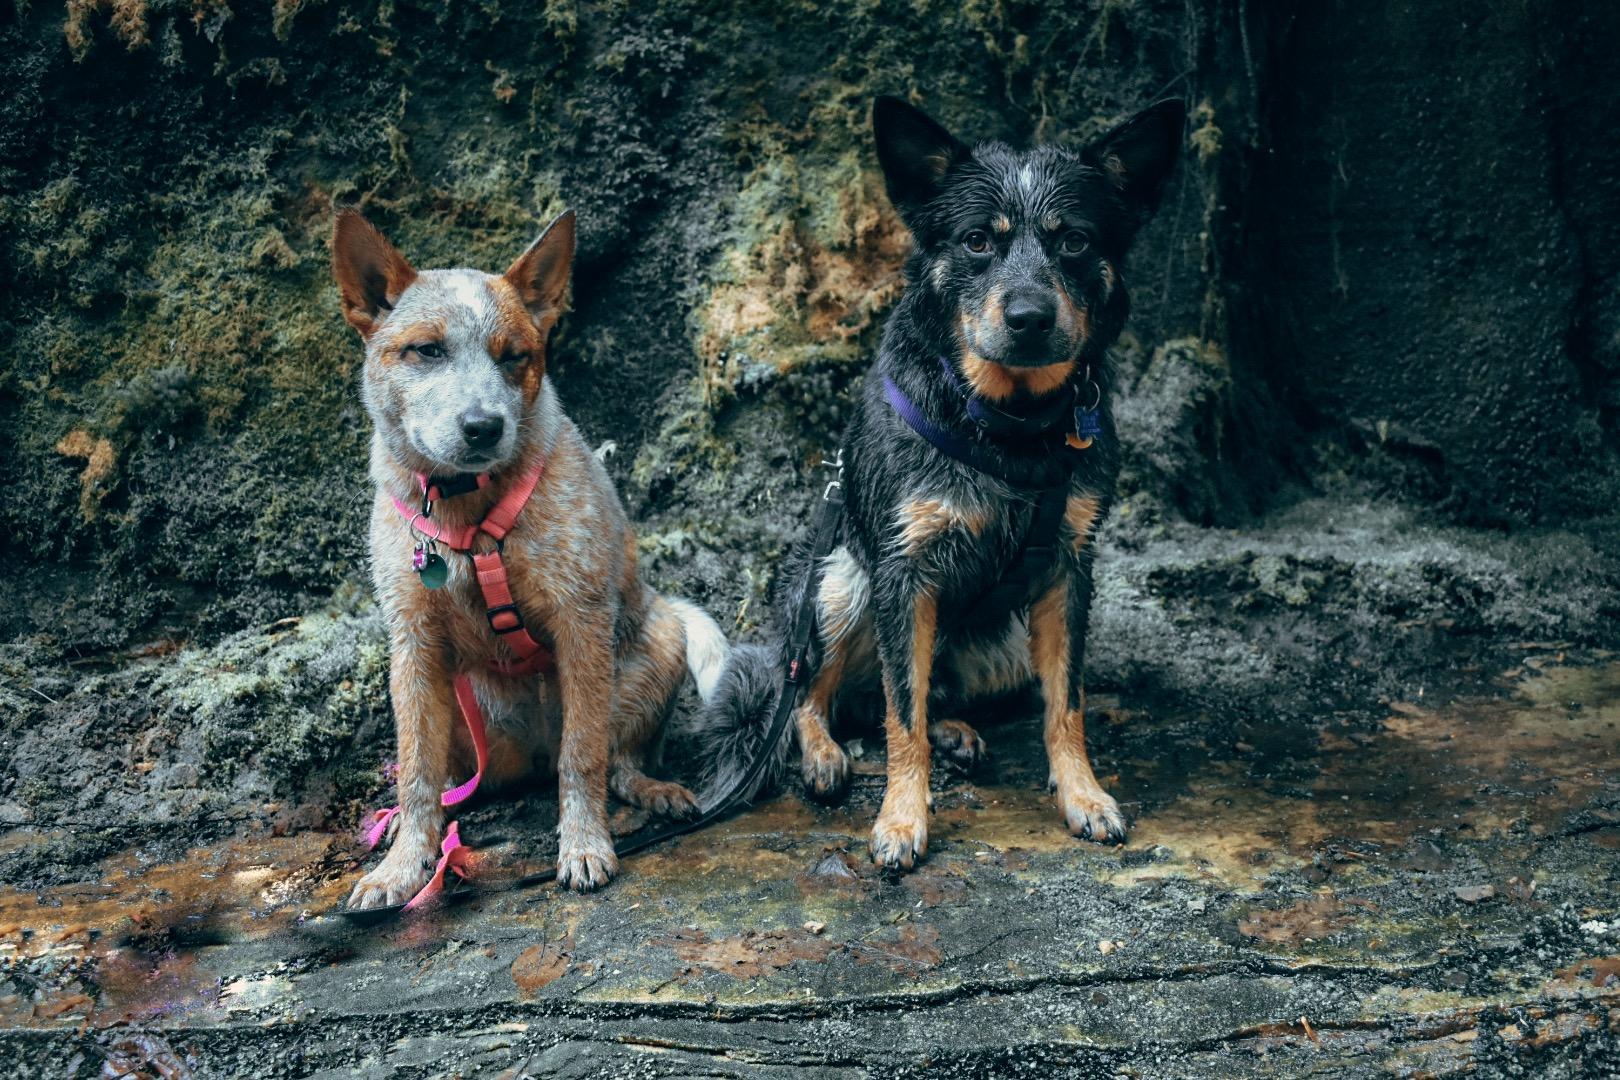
pixel 585 856
pixel 424 715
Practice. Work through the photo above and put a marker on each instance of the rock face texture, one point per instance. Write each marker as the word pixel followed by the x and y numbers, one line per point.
pixel 1440 222
pixel 1370 402
pixel 1389 253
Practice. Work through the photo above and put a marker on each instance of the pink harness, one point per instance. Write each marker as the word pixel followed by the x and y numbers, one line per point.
pixel 529 657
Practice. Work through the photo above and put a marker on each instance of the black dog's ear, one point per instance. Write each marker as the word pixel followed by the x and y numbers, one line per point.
pixel 1138 154
pixel 915 153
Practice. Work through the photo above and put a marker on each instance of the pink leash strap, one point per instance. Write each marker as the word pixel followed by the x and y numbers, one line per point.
pixel 473 716
pixel 453 855
pixel 506 621
pixel 379 825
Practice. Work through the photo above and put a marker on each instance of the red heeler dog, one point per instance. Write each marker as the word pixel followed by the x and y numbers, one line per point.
pixel 518 627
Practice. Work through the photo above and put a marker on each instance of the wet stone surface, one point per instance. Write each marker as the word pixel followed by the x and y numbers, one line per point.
pixel 1425 888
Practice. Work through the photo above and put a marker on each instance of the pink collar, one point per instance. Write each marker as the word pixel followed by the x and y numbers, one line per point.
pixel 497 522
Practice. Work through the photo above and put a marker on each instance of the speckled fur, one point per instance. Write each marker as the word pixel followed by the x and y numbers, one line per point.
pixel 621 649
pixel 925 536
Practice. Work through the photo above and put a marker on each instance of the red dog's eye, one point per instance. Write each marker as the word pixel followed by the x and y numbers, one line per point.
pixel 977 242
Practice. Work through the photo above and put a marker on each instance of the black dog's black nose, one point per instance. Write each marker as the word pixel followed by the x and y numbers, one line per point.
pixel 1030 317
pixel 482 430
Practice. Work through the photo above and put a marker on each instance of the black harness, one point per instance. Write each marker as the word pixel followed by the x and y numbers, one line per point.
pixel 1042 431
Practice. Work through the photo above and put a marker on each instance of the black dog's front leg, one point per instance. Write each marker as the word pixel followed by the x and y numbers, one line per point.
pixel 906 619
pixel 1057 629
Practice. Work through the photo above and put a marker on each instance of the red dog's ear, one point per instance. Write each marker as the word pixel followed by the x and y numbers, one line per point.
pixel 540 275
pixel 371 273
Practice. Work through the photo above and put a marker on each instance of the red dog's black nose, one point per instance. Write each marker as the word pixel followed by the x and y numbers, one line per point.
pixel 1030 317
pixel 482 430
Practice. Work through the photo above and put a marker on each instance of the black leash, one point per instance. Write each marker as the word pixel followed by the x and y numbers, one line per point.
pixel 828 516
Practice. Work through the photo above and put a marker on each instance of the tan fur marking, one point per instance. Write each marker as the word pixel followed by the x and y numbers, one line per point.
pixel 1081 516
pixel 1049 641
pixel 924 520
pixel 924 623
pixel 520 333
pixel 418 333
pixel 987 378
pixel 999 382
pixel 1073 320
pixel 822 755
pixel 1001 223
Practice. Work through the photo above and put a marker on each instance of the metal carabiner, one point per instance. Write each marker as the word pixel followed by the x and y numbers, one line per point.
pixel 836 463
pixel 1096 391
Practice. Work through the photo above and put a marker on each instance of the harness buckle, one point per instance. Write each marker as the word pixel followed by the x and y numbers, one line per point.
pixel 505 619
pixel 836 484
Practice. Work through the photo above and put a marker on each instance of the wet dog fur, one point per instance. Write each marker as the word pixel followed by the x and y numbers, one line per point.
pixel 1016 279
pixel 455 382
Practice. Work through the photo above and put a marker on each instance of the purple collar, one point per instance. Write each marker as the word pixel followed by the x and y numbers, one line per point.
pixel 948 443
pixel 1045 438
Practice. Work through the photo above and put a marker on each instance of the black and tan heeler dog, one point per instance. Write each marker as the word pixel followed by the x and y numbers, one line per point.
pixel 978 467
pixel 520 632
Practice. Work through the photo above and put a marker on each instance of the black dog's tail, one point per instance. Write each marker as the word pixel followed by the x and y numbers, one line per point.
pixel 734 726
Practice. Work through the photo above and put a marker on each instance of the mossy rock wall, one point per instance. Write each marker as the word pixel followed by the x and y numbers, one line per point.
pixel 178 404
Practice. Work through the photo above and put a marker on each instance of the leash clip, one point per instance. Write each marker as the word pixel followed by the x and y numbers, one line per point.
pixel 836 463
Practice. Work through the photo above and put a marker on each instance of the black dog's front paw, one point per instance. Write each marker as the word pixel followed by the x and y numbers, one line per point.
pixel 1093 815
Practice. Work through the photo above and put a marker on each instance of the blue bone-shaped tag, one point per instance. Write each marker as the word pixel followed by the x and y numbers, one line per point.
pixel 1087 423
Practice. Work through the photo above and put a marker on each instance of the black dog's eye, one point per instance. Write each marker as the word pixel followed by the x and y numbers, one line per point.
pixel 977 241
pixel 1074 242
pixel 429 350
pixel 513 359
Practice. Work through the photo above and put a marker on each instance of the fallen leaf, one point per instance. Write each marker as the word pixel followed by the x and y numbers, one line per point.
pixel 541 965
pixel 748 955
pixel 1309 919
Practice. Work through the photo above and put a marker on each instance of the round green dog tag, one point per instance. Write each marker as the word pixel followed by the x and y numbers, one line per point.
pixel 434 571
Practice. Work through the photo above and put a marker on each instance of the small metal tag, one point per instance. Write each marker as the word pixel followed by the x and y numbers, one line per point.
pixel 433 570
pixel 1087 423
